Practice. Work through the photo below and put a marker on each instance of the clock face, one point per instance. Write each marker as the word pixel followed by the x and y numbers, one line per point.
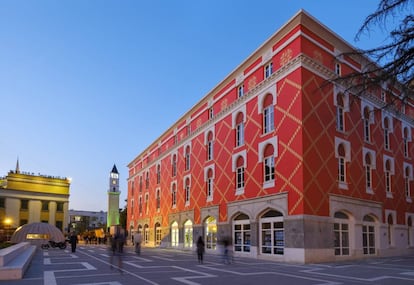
pixel 114 182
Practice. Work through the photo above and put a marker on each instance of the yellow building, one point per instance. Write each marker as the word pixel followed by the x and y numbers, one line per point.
pixel 29 198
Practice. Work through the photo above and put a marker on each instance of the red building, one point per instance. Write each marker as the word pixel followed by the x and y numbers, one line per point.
pixel 282 164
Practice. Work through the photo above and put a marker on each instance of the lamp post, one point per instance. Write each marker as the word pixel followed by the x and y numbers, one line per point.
pixel 7 222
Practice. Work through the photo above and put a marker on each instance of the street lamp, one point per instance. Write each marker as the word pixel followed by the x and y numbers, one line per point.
pixel 8 223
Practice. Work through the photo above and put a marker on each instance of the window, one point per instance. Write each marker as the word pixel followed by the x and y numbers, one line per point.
pixel 407 187
pixel 45 205
pixel 272 237
pixel 341 164
pixel 239 130
pixel 409 231
pixel 388 178
pixel 147 180
pixel 24 204
pixel 158 234
pixel 187 191
pixel 368 235
pixel 2 202
pixel 146 203
pixel 140 184
pixel 242 233
pixel 188 234
pixel 140 205
pixel 211 233
pixel 188 130
pixel 341 231
pixel 390 228
pixel 240 175
pixel 338 69
pixel 59 206
pixel 386 134
pixel 268 69
pixel 174 165
pixel 187 158
pixel 367 129
pixel 269 164
pixel 406 140
pixel 174 234
pixel 383 96
pixel 340 113
pixel 211 113
pixel 158 199
pixel 368 173
pixel 210 146
pixel 268 114
pixel 173 195
pixel 158 174
pixel 240 90
pixel 209 186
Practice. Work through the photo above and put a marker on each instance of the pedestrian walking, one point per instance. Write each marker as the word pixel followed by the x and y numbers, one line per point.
pixel 73 241
pixel 137 242
pixel 200 249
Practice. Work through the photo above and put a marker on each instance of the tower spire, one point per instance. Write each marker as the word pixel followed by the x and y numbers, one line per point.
pixel 17 166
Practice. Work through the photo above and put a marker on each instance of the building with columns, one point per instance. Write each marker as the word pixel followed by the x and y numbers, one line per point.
pixel 28 198
pixel 283 162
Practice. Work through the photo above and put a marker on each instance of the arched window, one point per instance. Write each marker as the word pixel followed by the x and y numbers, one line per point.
pixel 173 195
pixel 146 234
pixel 269 164
pixel 368 173
pixel 158 234
pixel 406 140
pixel 158 174
pixel 272 235
pixel 407 178
pixel 147 180
pixel 239 175
pixel 188 234
pixel 340 119
pixel 210 146
pixel 268 114
pixel 187 157
pixel 140 184
pixel 187 191
pixel 387 134
pixel 158 199
pixel 239 130
pixel 368 235
pixel 211 233
pixel 341 231
pixel 209 192
pixel 242 233
pixel 174 234
pixel 174 165
pixel 367 129
pixel 388 177
pixel 341 164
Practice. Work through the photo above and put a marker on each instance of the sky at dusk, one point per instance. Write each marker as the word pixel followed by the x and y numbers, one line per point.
pixel 85 85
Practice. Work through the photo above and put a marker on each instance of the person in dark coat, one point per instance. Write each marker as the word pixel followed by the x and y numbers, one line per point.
pixel 73 241
pixel 200 249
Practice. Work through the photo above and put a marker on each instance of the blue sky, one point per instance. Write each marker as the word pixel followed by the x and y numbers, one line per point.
pixel 86 84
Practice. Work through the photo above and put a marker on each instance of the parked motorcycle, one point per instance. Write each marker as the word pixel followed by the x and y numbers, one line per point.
pixel 54 244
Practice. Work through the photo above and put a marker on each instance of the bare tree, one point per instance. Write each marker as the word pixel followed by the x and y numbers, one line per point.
pixel 391 64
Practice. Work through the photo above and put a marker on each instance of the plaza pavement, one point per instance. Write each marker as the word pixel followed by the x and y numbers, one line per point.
pixel 95 265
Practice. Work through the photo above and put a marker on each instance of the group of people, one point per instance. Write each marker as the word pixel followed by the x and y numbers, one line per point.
pixel 118 241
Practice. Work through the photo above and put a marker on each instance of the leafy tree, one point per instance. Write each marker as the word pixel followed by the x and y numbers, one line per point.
pixel 391 64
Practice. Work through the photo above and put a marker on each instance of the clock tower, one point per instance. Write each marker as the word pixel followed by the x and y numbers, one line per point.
pixel 113 198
